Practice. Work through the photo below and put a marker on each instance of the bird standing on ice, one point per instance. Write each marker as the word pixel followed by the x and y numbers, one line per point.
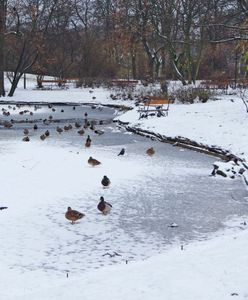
pixel 73 215
pixel 104 206
pixel 93 162
pixel 88 142
pixel 105 181
pixel 122 152
pixel 150 151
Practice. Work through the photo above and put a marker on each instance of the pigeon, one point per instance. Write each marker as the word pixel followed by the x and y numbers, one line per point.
pixel 73 215
pixel 122 152
pixel 105 181
pixel 104 206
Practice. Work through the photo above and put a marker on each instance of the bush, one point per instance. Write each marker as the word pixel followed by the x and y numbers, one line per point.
pixel 191 95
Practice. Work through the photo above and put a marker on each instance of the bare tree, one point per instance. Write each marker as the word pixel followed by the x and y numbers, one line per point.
pixel 2 35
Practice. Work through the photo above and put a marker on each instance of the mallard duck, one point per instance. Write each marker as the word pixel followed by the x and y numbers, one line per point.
pixel 92 125
pixel 26 131
pixel 93 162
pixel 59 130
pixel 43 137
pixel 26 139
pixel 7 124
pixel 73 215
pixel 105 181
pixel 77 125
pixel 122 152
pixel 81 132
pixel 99 132
pixel 104 206
pixel 150 151
pixel 88 141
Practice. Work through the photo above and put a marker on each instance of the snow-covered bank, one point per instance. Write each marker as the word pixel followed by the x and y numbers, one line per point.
pixel 222 123
pixel 215 269
pixel 219 124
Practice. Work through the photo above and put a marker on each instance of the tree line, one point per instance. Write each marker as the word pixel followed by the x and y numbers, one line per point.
pixel 141 39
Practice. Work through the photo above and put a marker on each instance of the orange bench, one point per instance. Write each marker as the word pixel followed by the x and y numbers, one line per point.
pixel 124 82
pixel 155 105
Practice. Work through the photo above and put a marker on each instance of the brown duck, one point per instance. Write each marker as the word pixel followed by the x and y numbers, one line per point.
pixel 93 162
pixel 77 125
pixel 104 206
pixel 73 215
pixel 81 132
pixel 150 151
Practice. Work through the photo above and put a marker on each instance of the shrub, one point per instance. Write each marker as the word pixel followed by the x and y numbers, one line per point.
pixel 191 95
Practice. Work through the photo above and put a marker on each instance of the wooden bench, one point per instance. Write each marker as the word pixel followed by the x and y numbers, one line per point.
pixel 124 82
pixel 157 105
pixel 50 84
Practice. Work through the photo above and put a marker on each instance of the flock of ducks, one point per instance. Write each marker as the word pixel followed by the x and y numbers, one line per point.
pixel 26 112
pixel 103 206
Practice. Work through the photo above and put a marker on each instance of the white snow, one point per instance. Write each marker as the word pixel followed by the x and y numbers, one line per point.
pixel 214 269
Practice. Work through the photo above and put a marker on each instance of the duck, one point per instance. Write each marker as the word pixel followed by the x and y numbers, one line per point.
pixel 99 132
pixel 73 215
pixel 7 124
pixel 122 152
pixel 77 125
pixel 104 206
pixel 150 151
pixel 43 137
pixel 59 130
pixel 93 162
pixel 26 139
pixel 47 133
pixel 88 141
pixel 81 132
pixel 105 181
pixel 26 131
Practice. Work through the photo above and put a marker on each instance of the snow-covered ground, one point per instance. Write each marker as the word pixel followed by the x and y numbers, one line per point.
pixel 212 269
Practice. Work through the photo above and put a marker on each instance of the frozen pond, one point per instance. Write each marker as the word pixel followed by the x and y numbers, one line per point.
pixel 150 193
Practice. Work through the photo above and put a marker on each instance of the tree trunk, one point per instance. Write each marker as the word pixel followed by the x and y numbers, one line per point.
pixel 2 29
pixel 14 84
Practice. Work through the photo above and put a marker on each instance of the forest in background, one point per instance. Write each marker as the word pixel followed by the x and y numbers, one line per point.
pixel 139 39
